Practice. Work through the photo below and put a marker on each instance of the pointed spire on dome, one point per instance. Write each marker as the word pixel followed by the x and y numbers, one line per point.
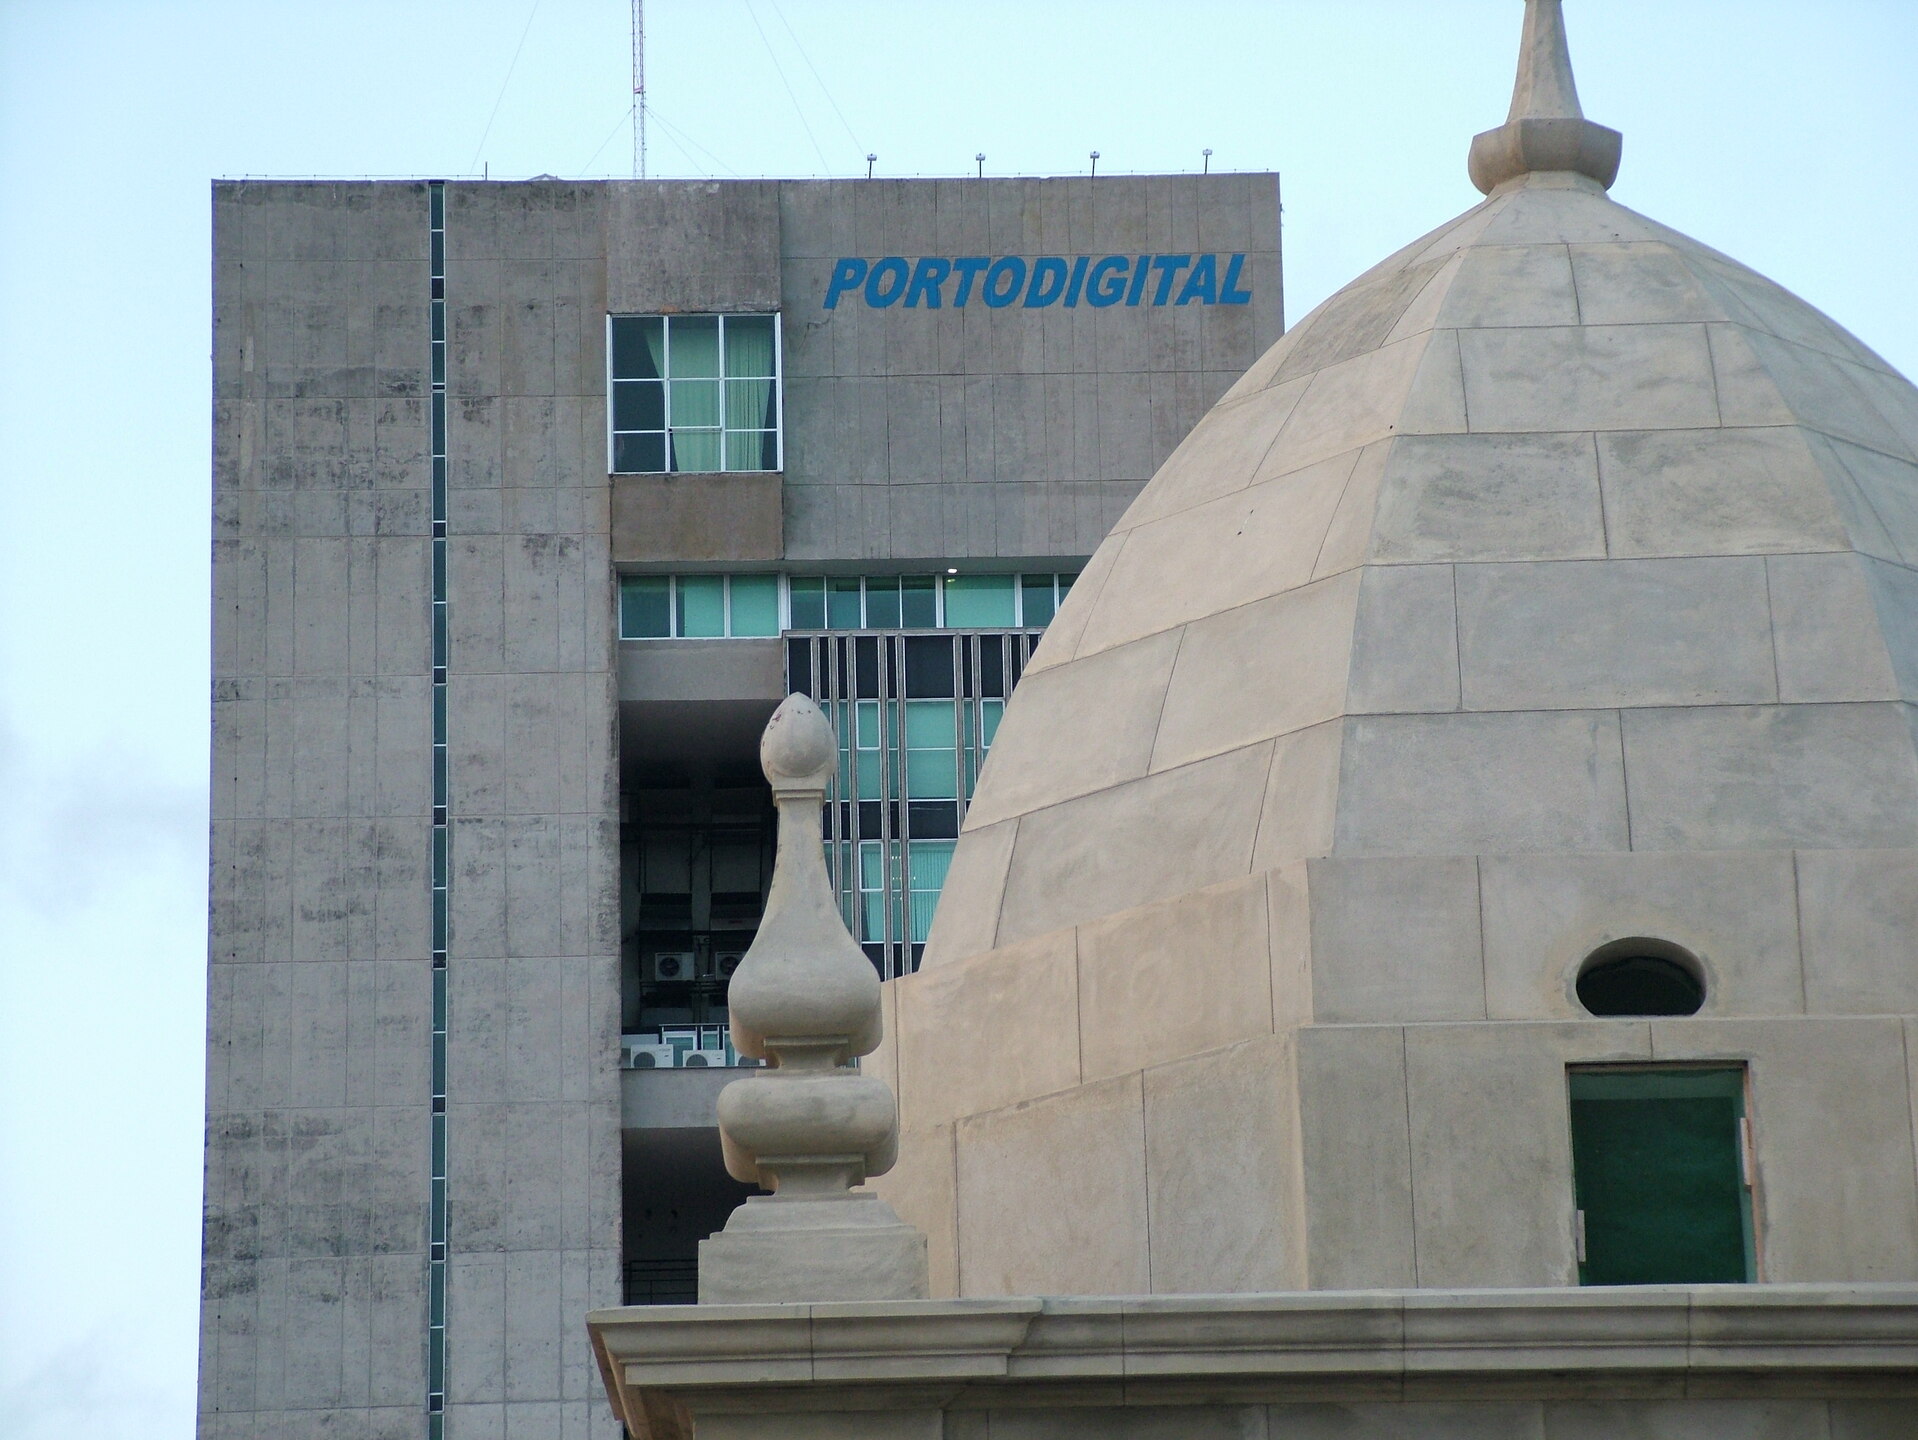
pixel 1545 130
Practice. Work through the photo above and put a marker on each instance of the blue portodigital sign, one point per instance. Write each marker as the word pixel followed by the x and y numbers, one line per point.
pixel 938 282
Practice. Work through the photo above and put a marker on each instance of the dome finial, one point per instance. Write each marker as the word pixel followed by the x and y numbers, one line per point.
pixel 1545 130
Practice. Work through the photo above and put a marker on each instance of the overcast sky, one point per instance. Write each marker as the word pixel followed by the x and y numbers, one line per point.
pixel 1782 133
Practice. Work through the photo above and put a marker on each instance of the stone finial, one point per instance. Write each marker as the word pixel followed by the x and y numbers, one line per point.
pixel 1545 130
pixel 809 1127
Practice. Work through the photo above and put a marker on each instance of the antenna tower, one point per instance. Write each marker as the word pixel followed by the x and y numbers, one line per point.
pixel 639 89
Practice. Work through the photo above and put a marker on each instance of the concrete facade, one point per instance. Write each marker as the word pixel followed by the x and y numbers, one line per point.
pixel 1548 586
pixel 984 436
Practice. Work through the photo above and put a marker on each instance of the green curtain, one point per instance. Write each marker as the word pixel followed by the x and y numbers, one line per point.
pixel 750 414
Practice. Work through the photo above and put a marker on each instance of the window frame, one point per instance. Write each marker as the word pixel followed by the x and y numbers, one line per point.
pixel 666 391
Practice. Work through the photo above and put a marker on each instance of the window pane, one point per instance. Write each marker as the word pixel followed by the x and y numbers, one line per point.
pixel 930 723
pixel 1065 585
pixel 638 347
pixel 639 405
pixel 978 601
pixel 808 594
pixel 695 404
pixel 755 605
pixel 696 451
pixel 1035 598
pixel 842 602
pixel 989 713
pixel 702 608
pixel 749 404
pixel 639 454
pixel 917 602
pixel 749 345
pixel 882 602
pixel 927 867
pixel 694 347
pixel 871 781
pixel 866 717
pixel 644 612
pixel 750 450
pixel 932 775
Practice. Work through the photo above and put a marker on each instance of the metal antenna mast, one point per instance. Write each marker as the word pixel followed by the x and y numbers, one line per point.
pixel 639 89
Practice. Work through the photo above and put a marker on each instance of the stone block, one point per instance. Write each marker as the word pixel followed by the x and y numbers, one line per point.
pixel 985 1031
pixel 1489 497
pixel 1225 1198
pixel 1414 784
pixel 1894 591
pixel 1395 940
pixel 970 924
pixel 1589 378
pixel 1124 688
pixel 1349 405
pixel 1408 1420
pixel 1052 1195
pixel 1638 283
pixel 1357 320
pixel 1357 1157
pixel 1300 809
pixel 1269 668
pixel 1831 1131
pixel 1148 840
pixel 1715 492
pixel 1688 1419
pixel 783 1251
pixel 1544 914
pixel 1491 1147
pixel 1859 922
pixel 1771 777
pixel 1828 634
pixel 1825 395
pixel 1596 634
pixel 1500 285
pixel 921 1191
pixel 1165 981
pixel 1221 455
pixel 1880 504
pixel 1404 641
pixel 1227 552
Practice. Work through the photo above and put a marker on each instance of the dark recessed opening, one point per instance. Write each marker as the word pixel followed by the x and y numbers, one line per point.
pixel 1641 977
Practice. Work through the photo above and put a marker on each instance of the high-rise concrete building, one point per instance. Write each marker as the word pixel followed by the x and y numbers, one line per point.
pixel 531 501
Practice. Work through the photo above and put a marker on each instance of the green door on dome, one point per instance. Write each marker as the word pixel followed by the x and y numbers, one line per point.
pixel 1659 1176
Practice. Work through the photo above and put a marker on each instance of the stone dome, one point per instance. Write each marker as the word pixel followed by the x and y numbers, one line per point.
pixel 1545 600
pixel 1555 531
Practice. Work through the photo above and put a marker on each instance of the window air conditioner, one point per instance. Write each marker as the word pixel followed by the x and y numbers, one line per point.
pixel 648 1056
pixel 727 961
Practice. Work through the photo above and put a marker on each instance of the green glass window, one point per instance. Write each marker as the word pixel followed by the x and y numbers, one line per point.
pixel 926 864
pixel 701 605
pixel 932 761
pixel 842 603
pixel 882 602
pixel 918 602
pixel 1036 602
pixel 755 605
pixel 1660 1175
pixel 979 602
pixel 868 752
pixel 808 595
pixel 645 607
pixel 694 393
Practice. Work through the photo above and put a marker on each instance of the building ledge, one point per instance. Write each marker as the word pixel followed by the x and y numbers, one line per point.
pixel 665 1366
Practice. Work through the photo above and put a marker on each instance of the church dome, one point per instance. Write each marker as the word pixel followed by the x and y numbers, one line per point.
pixel 1501 698
pixel 1555 531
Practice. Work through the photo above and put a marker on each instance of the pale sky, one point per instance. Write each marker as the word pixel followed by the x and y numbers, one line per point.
pixel 1781 133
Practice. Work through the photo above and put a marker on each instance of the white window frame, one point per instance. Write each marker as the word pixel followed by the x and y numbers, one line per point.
pixel 779 389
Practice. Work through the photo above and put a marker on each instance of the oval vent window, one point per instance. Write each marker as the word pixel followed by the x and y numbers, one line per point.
pixel 1641 977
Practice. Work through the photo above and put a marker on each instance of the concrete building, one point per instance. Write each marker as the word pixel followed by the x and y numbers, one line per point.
pixel 1432 950
pixel 531 501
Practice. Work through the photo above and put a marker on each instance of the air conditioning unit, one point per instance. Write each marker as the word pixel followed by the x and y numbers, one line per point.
pixel 703 1060
pixel 648 1056
pixel 727 961
pixel 670 966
